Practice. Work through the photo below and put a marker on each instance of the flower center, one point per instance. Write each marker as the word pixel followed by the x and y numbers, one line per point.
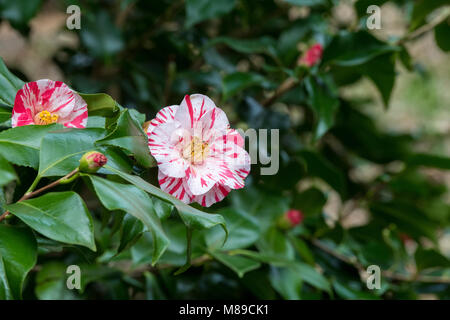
pixel 196 151
pixel 45 117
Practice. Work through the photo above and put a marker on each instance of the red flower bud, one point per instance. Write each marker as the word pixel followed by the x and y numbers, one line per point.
pixel 290 219
pixel 312 55
pixel 92 161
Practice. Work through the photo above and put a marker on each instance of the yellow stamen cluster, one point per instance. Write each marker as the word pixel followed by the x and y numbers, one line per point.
pixel 45 117
pixel 196 151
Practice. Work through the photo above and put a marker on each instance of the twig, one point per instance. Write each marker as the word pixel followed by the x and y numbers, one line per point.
pixel 284 87
pixel 32 194
pixel 427 27
pixel 388 274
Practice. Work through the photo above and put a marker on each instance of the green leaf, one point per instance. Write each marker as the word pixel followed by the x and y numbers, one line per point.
pixel 100 35
pixel 9 85
pixel 238 264
pixel 429 160
pixel 131 231
pixel 430 258
pixel 248 46
pixel 19 12
pixel 129 135
pixel 310 201
pixel 100 104
pixel 381 70
pixel 191 217
pixel 286 282
pixel 21 145
pixel 243 231
pixel 51 282
pixel 236 82
pixel 323 103
pixel 7 173
pixel 318 166
pixel 62 150
pixel 128 198
pixel 347 292
pixel 5 114
pixel 441 33
pixel 311 276
pixel 407 217
pixel 352 49
pixel 18 254
pixel 275 244
pixel 61 216
pixel 200 10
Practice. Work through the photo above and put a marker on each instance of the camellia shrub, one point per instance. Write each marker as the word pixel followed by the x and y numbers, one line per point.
pixel 205 149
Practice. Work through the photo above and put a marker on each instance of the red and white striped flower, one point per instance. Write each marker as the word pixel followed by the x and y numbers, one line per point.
pixel 45 101
pixel 200 158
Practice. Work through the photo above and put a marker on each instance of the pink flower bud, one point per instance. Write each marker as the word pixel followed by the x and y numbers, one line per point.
pixel 312 55
pixel 290 219
pixel 92 161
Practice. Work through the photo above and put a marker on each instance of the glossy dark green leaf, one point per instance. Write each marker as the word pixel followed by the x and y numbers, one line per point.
pixel 323 103
pixel 5 114
pixel 248 46
pixel 430 258
pixel 18 254
pixel 320 167
pixel 238 264
pixel 9 85
pixel 243 231
pixel 310 202
pixel 200 10
pixel 191 217
pixel 21 145
pixel 129 136
pixel 286 282
pixel 100 35
pixel 7 173
pixel 61 216
pixel 131 231
pixel 429 160
pixel 100 104
pixel 441 33
pixel 236 82
pixel 128 198
pixel 51 282
pixel 61 151
pixel 352 49
pixel 275 244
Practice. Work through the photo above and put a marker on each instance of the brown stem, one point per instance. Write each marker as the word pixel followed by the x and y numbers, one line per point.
pixel 284 87
pixel 388 274
pixel 29 195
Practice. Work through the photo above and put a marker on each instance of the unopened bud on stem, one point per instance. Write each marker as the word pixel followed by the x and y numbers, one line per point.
pixel 290 219
pixel 92 161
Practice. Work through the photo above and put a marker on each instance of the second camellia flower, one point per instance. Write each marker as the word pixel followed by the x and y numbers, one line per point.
pixel 200 159
pixel 45 101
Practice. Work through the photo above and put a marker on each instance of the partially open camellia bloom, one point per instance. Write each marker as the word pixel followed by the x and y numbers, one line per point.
pixel 312 55
pixel 45 101
pixel 200 159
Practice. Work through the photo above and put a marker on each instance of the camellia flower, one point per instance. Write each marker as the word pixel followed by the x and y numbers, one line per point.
pixel 290 219
pixel 200 159
pixel 312 55
pixel 45 101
